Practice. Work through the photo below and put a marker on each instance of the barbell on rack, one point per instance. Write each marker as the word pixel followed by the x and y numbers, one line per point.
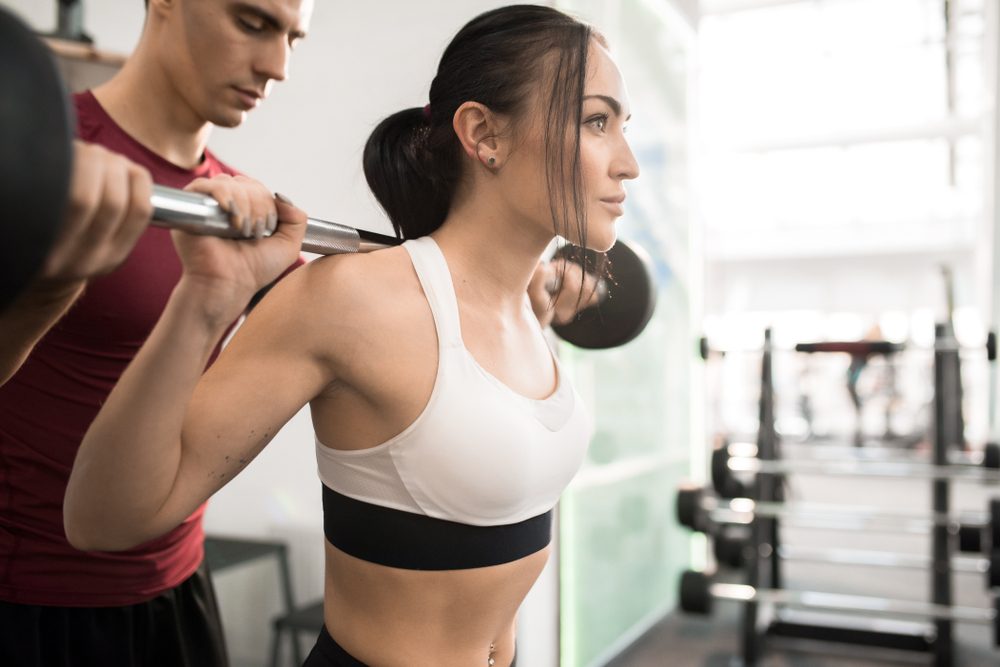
pixel 724 466
pixel 35 166
pixel 701 512
pixel 988 458
pixel 730 549
pixel 858 348
pixel 698 592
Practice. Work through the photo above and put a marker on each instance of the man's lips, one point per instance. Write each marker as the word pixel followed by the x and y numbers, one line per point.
pixel 249 96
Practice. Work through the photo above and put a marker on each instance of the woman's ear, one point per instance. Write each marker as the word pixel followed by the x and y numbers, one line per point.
pixel 479 133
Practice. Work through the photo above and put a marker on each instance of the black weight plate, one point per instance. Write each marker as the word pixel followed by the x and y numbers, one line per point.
pixel 720 474
pixel 728 547
pixel 991 456
pixel 628 307
pixel 994 523
pixel 695 596
pixel 36 158
pixel 688 507
pixel 970 539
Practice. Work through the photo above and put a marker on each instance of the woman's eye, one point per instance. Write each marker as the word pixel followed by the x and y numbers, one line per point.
pixel 600 122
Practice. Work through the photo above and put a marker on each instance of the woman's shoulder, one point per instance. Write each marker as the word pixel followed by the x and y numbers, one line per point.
pixel 362 284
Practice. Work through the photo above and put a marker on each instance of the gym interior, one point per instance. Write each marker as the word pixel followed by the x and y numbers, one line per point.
pixel 794 459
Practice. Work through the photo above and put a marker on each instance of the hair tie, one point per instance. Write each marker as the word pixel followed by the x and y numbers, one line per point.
pixel 427 112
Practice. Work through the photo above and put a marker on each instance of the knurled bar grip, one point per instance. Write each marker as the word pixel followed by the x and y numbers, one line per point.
pixel 200 214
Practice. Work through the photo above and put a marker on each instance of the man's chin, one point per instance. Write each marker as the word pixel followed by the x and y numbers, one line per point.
pixel 229 118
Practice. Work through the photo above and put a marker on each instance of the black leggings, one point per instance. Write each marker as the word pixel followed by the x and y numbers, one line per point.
pixel 178 628
pixel 328 653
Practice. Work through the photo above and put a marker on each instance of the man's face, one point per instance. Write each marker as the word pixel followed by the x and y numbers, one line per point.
pixel 222 55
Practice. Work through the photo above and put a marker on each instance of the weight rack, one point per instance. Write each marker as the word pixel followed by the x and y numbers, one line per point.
pixel 763 562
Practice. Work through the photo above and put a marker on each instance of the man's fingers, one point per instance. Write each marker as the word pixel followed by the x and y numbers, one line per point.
pixel 112 205
pixel 137 215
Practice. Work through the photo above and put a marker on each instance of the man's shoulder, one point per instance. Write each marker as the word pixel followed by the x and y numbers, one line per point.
pixel 214 166
pixel 90 118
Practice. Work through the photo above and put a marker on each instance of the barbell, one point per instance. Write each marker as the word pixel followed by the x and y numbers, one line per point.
pixel 701 512
pixel 698 592
pixel 845 461
pixel 725 467
pixel 36 131
pixel 857 348
pixel 730 549
pixel 988 458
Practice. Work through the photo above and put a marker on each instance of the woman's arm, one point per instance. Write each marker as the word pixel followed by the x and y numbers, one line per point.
pixel 163 443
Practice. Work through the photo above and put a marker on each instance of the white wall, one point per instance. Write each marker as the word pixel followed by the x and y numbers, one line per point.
pixel 361 62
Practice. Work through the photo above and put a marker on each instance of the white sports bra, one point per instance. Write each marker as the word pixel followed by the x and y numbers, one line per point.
pixel 479 454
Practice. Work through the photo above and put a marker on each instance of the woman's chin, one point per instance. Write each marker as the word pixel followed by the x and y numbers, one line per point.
pixel 600 237
pixel 603 240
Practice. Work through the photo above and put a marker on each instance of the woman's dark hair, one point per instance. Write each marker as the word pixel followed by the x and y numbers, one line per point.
pixel 413 159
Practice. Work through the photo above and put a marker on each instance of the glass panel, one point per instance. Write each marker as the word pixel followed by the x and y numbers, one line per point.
pixel 620 549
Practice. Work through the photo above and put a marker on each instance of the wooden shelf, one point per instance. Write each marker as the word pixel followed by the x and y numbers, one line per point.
pixel 83 52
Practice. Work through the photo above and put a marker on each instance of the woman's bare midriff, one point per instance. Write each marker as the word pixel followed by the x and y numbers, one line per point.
pixel 390 617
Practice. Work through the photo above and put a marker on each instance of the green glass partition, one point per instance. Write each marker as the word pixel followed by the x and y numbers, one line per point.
pixel 621 549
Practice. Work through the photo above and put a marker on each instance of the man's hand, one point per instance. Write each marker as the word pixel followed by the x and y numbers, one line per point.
pixel 559 290
pixel 226 273
pixel 109 207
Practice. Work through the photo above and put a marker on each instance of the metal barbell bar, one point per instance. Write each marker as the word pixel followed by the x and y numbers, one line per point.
pixel 988 458
pixel 730 550
pixel 700 512
pixel 698 592
pixel 723 465
pixel 857 347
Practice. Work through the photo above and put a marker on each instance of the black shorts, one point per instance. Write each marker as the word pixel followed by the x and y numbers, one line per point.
pixel 178 628
pixel 328 653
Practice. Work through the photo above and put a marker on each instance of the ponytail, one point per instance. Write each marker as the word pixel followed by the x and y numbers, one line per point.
pixel 408 175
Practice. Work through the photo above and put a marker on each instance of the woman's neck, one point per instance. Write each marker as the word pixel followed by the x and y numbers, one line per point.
pixel 493 251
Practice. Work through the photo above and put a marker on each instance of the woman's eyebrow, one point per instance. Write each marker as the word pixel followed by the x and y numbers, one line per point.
pixel 615 105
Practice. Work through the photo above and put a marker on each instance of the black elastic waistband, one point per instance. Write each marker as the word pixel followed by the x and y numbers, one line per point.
pixel 417 542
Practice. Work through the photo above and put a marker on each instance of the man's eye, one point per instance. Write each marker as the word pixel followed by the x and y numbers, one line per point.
pixel 251 26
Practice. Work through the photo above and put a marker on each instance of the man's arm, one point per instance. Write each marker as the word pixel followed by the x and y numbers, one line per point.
pixel 108 209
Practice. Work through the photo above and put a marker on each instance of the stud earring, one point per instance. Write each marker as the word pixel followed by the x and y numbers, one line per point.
pixel 492 161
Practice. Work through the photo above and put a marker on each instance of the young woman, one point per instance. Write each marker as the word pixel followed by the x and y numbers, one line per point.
pixel 445 429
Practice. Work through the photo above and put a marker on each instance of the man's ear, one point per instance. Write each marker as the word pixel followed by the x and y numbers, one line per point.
pixel 160 6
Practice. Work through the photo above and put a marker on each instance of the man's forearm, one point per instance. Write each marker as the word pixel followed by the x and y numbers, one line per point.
pixel 24 322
